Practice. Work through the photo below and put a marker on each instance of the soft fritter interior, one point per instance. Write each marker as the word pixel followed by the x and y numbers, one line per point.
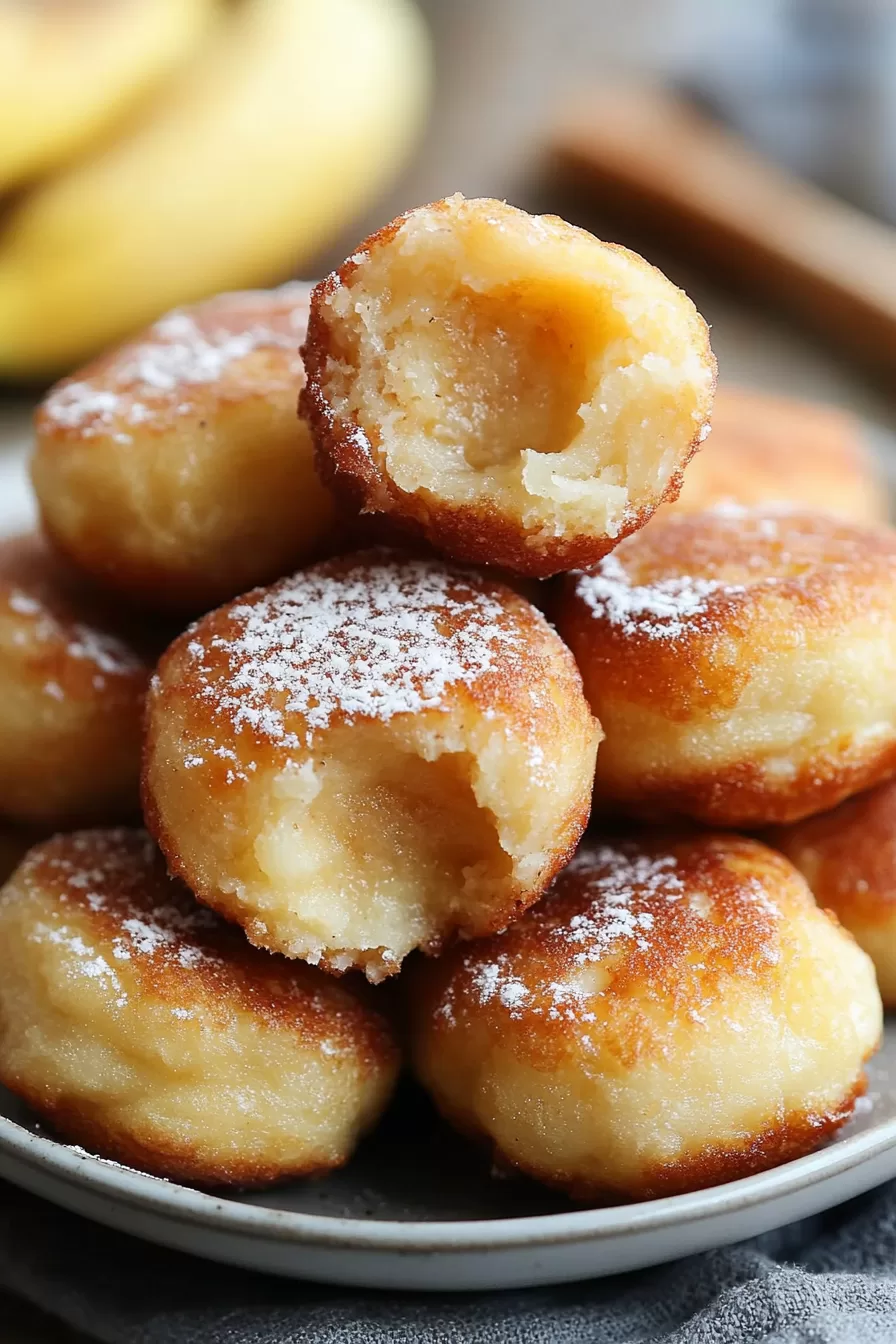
pixel 483 366
pixel 374 849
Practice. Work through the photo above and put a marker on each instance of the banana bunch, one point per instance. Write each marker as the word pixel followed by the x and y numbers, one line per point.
pixel 69 73
pixel 264 136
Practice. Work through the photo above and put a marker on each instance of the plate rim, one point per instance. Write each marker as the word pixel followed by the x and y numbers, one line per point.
pixel 145 1193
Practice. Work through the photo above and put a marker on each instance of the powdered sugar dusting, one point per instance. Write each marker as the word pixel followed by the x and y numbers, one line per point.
pixel 108 655
pixel 164 928
pixel 660 610
pixel 618 886
pixel 613 902
pixel 183 354
pixel 83 871
pixel 178 354
pixel 22 603
pixel 495 980
pixel 625 882
pixel 379 639
pixel 91 963
pixel 107 901
pixel 73 404
pixel 104 651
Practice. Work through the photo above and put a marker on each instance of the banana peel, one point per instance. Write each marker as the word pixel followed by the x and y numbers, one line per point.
pixel 70 72
pixel 291 119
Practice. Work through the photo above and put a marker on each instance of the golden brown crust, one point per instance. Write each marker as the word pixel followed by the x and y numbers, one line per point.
pixel 760 569
pixel 593 1010
pixel 684 620
pixel 740 939
pixel 794 1135
pixel 73 676
pixel 375 531
pixel 741 794
pixel 31 567
pixel 172 469
pixel 114 902
pixel 77 1122
pixel 265 365
pixel 476 530
pixel 182 952
pixel 478 535
pixel 769 449
pixel 848 855
pixel 487 621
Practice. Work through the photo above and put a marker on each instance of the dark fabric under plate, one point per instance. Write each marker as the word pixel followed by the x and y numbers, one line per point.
pixel 831 1280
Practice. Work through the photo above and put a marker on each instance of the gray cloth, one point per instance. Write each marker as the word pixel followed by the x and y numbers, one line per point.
pixel 831 1280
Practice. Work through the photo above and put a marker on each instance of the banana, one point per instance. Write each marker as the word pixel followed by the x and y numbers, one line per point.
pixel 292 118
pixel 70 71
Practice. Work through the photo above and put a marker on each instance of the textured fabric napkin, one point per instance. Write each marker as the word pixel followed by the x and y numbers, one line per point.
pixel 831 1280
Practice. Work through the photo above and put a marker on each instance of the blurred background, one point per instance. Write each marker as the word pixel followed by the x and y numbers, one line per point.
pixel 152 151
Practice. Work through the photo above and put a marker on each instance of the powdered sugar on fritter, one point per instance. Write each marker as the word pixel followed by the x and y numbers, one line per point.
pixel 178 353
pixel 184 354
pixel 377 640
pixel 118 861
pixel 105 652
pixel 659 610
pixel 495 981
pixel 107 907
pixel 621 883
pixel 74 404
pixel 616 907
pixel 108 655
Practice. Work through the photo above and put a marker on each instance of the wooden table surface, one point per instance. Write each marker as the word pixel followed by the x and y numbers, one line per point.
pixel 503 66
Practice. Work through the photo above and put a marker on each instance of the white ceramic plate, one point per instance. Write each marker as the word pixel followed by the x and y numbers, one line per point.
pixel 416 1208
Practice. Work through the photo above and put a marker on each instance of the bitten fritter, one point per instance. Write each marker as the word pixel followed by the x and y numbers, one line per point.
pixel 776 450
pixel 742 664
pixel 369 757
pixel 504 386
pixel 173 470
pixel 72 688
pixel 848 857
pixel 139 1024
pixel 676 1013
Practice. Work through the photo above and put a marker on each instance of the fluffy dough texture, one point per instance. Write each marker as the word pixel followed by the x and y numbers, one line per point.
pixel 674 1014
pixel 369 757
pixel 766 450
pixel 71 697
pixel 173 470
pixel 742 664
pixel 139 1024
pixel 848 857
pixel 503 385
